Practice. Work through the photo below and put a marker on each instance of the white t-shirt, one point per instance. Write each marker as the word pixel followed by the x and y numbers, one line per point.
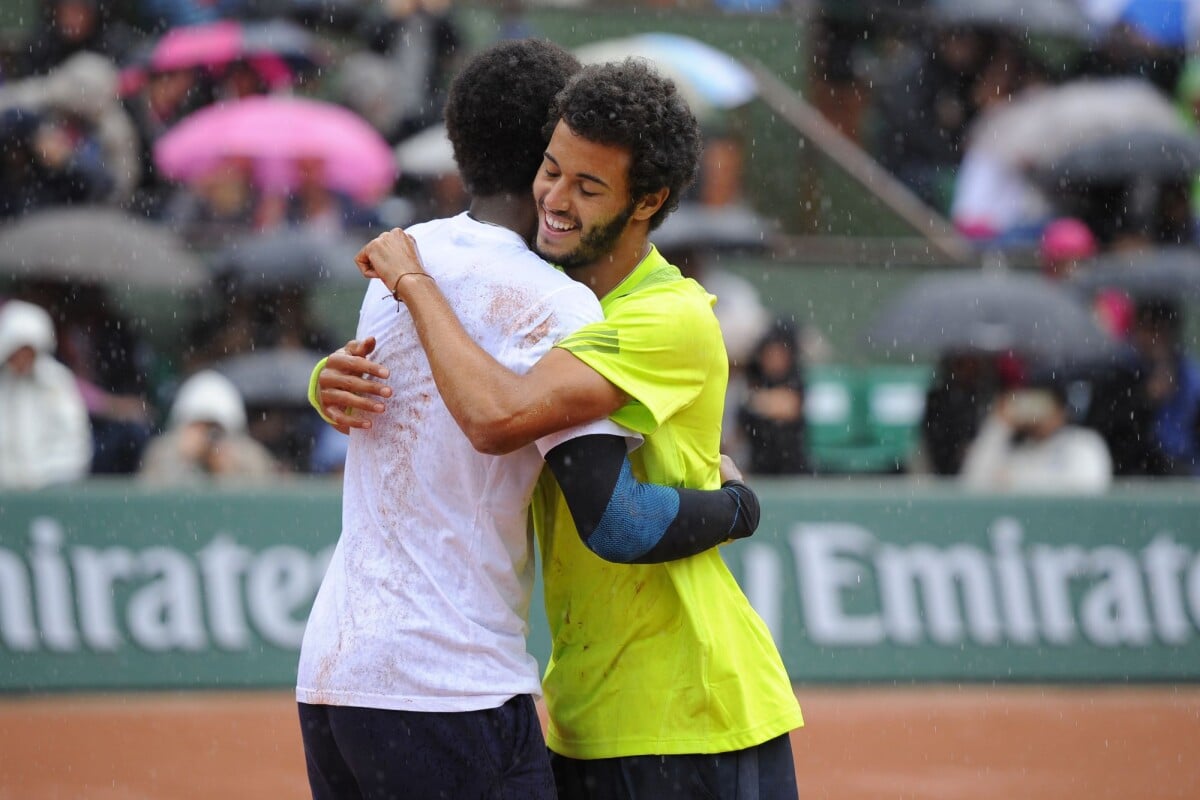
pixel 1071 460
pixel 425 603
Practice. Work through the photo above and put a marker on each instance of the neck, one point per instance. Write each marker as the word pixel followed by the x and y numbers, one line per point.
pixel 605 273
pixel 517 213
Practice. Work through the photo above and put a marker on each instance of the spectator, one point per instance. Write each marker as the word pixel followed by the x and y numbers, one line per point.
pixel 44 434
pixel 110 359
pixel 1126 47
pixel 80 97
pixel 1171 382
pixel 206 438
pixel 1066 245
pixel 42 164
pixel 933 91
pixel 420 40
pixel 924 107
pixel 167 97
pixel 1027 444
pixel 157 16
pixel 1146 405
pixel 772 415
pixel 225 198
pixel 68 27
pixel 312 204
pixel 962 389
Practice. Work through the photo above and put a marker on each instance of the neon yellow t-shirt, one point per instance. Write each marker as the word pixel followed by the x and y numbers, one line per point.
pixel 659 658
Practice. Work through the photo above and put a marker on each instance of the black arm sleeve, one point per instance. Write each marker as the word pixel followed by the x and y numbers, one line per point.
pixel 623 520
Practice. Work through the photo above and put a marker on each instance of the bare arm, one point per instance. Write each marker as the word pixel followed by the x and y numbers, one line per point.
pixel 499 410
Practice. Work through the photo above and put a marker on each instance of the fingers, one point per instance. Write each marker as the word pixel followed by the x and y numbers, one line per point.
pixel 354 382
pixel 388 255
pixel 350 385
pixel 729 470
pixel 345 416
pixel 363 261
pixel 342 367
pixel 360 348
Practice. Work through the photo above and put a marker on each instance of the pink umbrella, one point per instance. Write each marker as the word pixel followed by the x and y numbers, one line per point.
pixel 283 137
pixel 275 48
pixel 197 45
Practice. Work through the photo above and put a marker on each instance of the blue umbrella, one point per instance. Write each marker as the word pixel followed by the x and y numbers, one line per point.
pixel 1163 22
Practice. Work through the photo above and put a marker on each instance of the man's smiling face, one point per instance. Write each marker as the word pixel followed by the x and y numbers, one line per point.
pixel 582 194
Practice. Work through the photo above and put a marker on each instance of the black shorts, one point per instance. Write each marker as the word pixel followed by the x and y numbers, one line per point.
pixel 370 754
pixel 763 772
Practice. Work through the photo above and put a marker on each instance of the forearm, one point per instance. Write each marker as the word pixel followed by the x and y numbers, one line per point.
pixel 499 410
pixel 626 521
pixel 483 395
pixel 986 457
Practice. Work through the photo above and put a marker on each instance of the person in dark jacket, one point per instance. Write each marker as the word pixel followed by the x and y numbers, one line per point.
pixel 772 415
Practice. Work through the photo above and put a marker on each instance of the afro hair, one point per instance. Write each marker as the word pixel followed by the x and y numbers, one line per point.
pixel 496 113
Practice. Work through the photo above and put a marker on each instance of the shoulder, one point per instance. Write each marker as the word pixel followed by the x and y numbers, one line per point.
pixel 430 228
pixel 679 308
pixel 1085 439
pixel 52 372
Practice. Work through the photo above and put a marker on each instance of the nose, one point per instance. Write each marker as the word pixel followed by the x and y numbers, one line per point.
pixel 555 195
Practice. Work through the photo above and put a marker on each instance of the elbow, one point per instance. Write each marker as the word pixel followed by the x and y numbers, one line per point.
pixel 489 444
pixel 491 434
pixel 615 550
pixel 504 422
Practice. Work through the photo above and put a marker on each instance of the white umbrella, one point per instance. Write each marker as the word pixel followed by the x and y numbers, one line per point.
pixel 426 154
pixel 710 80
pixel 1042 124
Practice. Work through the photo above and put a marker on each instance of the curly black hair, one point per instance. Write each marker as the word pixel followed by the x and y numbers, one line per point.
pixel 628 104
pixel 496 111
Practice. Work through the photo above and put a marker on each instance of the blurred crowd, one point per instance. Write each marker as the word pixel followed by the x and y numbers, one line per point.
pixel 1006 124
pixel 258 136
pixel 1062 134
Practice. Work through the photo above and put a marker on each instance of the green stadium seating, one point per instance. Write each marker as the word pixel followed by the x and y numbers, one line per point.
pixel 863 419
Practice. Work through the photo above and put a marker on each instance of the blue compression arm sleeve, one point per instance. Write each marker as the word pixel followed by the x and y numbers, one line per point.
pixel 626 521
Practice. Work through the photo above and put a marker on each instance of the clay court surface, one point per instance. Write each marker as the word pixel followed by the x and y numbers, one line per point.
pixel 1029 743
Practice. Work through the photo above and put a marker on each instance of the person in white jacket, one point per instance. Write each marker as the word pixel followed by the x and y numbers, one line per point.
pixel 1027 444
pixel 45 436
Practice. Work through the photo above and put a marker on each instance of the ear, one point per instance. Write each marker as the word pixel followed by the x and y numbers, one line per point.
pixel 649 204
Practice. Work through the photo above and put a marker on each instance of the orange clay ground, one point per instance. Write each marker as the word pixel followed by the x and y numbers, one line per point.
pixel 969 743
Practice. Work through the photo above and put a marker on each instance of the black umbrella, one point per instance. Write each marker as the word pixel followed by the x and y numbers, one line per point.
pixel 98 245
pixel 723 228
pixel 990 311
pixel 1135 156
pixel 1169 271
pixel 291 258
pixel 1060 18
pixel 276 378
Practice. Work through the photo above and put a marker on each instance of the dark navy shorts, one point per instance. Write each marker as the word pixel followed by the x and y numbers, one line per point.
pixel 369 754
pixel 764 772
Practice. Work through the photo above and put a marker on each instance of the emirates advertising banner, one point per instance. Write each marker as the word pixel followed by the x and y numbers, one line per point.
pixel 114 587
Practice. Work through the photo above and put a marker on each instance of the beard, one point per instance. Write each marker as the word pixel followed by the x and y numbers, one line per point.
pixel 593 244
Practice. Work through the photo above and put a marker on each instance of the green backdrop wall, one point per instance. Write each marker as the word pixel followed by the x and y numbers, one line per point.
pixel 112 586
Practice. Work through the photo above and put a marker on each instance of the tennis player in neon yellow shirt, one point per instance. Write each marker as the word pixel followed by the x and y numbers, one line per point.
pixel 663 681
pixel 659 658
